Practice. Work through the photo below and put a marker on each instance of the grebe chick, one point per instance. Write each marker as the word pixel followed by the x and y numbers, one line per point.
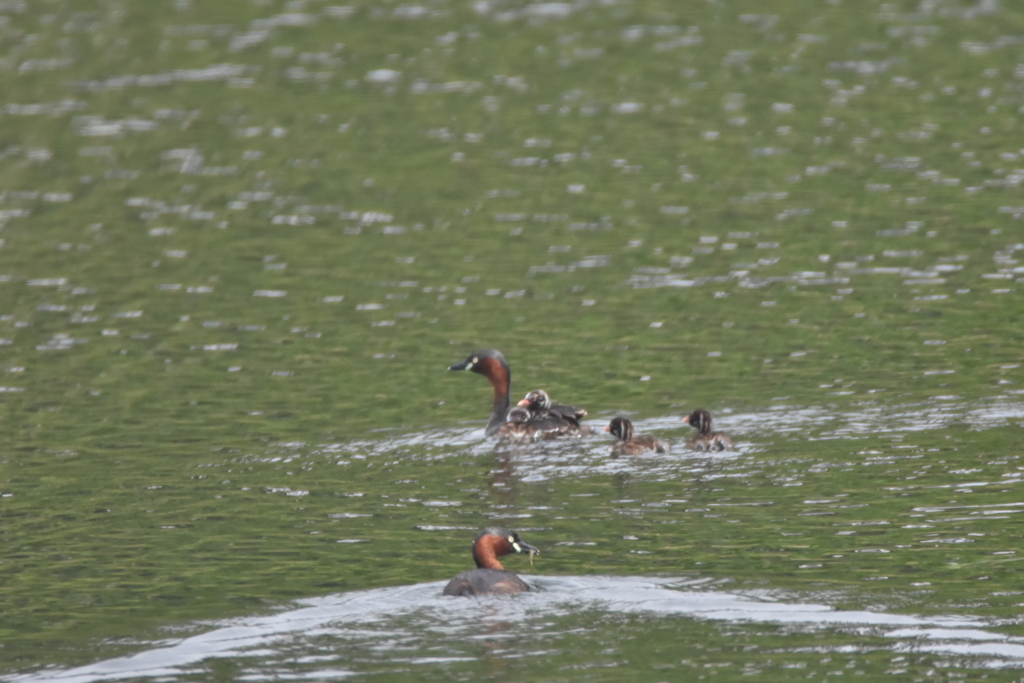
pixel 706 440
pixel 558 419
pixel 491 364
pixel 627 444
pixel 490 577
pixel 518 427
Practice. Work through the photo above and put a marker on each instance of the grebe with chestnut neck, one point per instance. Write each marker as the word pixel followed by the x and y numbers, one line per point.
pixel 551 421
pixel 489 577
pixel 492 364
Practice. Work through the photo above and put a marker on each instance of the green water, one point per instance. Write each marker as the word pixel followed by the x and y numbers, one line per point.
pixel 237 258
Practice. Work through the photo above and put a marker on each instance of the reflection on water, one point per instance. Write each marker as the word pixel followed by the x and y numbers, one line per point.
pixel 394 628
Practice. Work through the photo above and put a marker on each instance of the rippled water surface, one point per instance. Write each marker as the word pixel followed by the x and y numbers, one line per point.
pixel 241 242
pixel 410 633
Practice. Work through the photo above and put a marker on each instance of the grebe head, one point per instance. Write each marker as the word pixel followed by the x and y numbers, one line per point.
pixel 493 542
pixel 491 364
pixel 488 362
pixel 536 400
pixel 701 419
pixel 621 428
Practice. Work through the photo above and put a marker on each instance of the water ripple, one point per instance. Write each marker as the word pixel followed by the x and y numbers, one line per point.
pixel 410 624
